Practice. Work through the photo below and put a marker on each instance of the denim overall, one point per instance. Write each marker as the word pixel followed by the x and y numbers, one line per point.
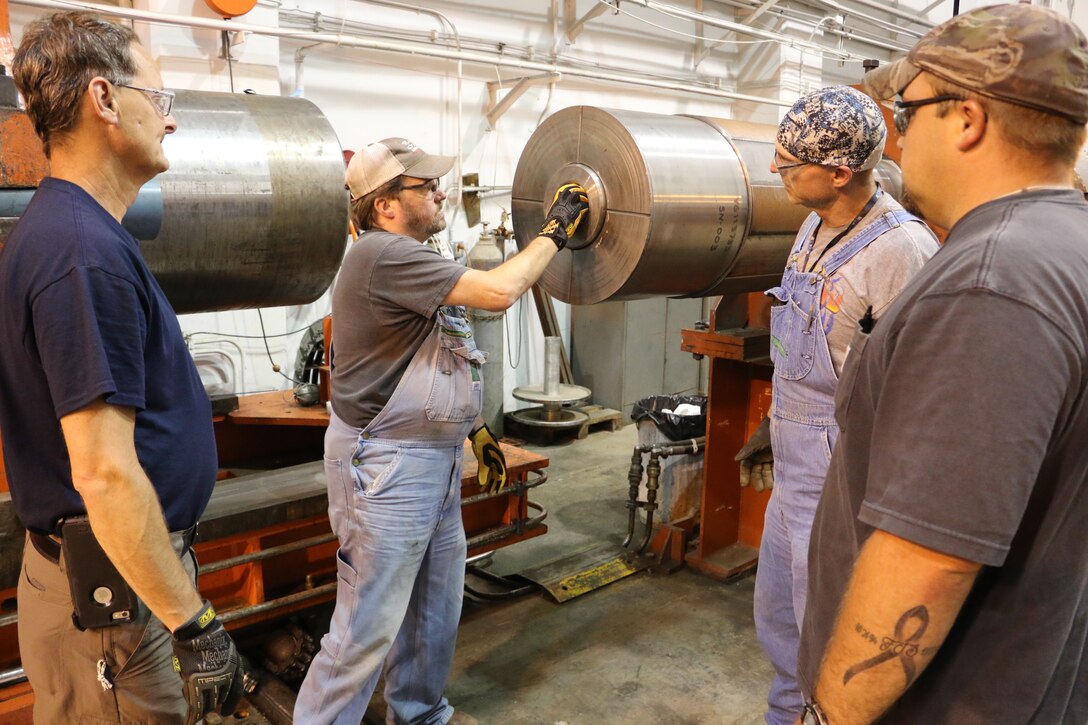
pixel 803 434
pixel 395 505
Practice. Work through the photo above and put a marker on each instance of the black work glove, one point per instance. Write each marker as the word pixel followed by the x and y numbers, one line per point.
pixel 569 206
pixel 757 459
pixel 209 665
pixel 492 472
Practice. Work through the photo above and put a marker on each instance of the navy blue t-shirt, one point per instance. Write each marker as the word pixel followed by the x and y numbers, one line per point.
pixel 82 318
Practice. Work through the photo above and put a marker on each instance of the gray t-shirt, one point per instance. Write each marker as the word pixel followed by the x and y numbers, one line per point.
pixel 964 422
pixel 873 276
pixel 383 308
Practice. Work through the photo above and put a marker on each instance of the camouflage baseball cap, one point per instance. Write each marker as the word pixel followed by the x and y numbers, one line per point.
pixel 1022 54
pixel 835 126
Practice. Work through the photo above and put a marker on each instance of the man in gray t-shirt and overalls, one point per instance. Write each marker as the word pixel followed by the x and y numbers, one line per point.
pixel 853 254
pixel 406 392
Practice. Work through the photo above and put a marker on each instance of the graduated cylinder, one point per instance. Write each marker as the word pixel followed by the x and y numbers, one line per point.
pixel 680 206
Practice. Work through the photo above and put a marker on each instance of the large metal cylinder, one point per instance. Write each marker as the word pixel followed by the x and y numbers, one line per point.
pixel 254 211
pixel 680 206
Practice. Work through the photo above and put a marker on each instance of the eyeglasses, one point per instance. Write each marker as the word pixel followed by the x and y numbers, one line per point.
pixel 428 187
pixel 903 111
pixel 162 100
pixel 780 164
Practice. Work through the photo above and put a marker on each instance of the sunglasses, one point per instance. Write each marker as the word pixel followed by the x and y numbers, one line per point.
pixel 162 100
pixel 903 111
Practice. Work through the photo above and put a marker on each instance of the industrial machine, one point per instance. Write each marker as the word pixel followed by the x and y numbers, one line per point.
pixel 680 206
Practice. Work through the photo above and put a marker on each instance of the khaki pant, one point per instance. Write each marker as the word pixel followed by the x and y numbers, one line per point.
pixel 62 663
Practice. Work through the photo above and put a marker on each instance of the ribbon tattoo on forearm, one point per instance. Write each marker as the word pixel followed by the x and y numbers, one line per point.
pixel 903 647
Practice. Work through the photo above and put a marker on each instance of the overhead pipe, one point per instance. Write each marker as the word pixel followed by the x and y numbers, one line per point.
pixel 883 24
pixel 594 74
pixel 742 29
pixel 295 15
pixel 807 19
pixel 912 17
pixel 903 14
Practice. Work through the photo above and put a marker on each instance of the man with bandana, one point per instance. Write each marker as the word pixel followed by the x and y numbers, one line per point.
pixel 853 254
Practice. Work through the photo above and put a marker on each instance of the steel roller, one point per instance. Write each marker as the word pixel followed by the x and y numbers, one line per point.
pixel 680 206
pixel 254 211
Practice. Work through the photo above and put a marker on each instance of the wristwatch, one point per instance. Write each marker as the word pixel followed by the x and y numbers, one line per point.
pixel 813 714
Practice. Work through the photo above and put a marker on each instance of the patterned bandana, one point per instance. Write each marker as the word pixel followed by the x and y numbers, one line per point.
pixel 836 126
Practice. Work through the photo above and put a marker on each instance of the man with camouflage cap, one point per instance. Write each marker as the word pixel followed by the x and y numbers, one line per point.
pixel 854 253
pixel 949 564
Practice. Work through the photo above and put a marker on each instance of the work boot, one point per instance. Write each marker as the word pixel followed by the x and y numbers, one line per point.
pixel 460 717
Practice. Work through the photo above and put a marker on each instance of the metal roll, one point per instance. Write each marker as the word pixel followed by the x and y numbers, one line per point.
pixel 680 206
pixel 254 211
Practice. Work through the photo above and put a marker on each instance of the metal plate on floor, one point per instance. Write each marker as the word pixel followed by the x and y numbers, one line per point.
pixel 583 571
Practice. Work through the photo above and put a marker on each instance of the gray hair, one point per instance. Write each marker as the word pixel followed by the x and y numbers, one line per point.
pixel 58 57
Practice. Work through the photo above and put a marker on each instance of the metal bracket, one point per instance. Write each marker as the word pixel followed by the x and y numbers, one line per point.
pixel 496 108
pixel 576 25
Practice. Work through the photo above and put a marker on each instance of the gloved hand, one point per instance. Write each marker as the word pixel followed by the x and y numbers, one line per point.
pixel 569 206
pixel 492 473
pixel 210 666
pixel 757 459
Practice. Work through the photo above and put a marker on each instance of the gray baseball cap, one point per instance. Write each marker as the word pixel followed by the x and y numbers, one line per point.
pixel 385 160
pixel 1022 54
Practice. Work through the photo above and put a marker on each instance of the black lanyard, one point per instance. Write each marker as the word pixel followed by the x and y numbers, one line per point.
pixel 838 237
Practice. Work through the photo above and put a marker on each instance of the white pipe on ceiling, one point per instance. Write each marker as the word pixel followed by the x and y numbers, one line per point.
pixel 402 48
pixel 789 13
pixel 884 8
pixel 742 29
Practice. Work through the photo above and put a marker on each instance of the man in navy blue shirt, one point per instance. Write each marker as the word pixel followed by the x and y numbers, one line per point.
pixel 102 411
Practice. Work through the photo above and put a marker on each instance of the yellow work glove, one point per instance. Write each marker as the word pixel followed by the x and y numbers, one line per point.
pixel 569 206
pixel 492 473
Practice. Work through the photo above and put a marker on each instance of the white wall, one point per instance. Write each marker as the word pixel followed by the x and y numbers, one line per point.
pixel 368 95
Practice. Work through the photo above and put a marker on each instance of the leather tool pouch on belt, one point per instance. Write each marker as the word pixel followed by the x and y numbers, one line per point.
pixel 100 595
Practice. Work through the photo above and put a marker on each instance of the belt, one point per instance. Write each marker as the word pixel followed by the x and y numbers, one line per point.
pixel 49 547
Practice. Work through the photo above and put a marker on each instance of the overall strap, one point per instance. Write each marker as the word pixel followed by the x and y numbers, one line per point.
pixel 884 223
pixel 806 231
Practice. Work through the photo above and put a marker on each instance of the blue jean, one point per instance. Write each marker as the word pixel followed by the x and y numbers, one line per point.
pixel 802 454
pixel 396 508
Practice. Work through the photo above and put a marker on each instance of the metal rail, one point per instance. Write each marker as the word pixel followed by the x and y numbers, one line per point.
pixel 266 553
pixel 517 527
pixel 273 604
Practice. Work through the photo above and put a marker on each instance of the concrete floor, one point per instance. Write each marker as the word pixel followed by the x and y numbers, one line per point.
pixel 670 649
